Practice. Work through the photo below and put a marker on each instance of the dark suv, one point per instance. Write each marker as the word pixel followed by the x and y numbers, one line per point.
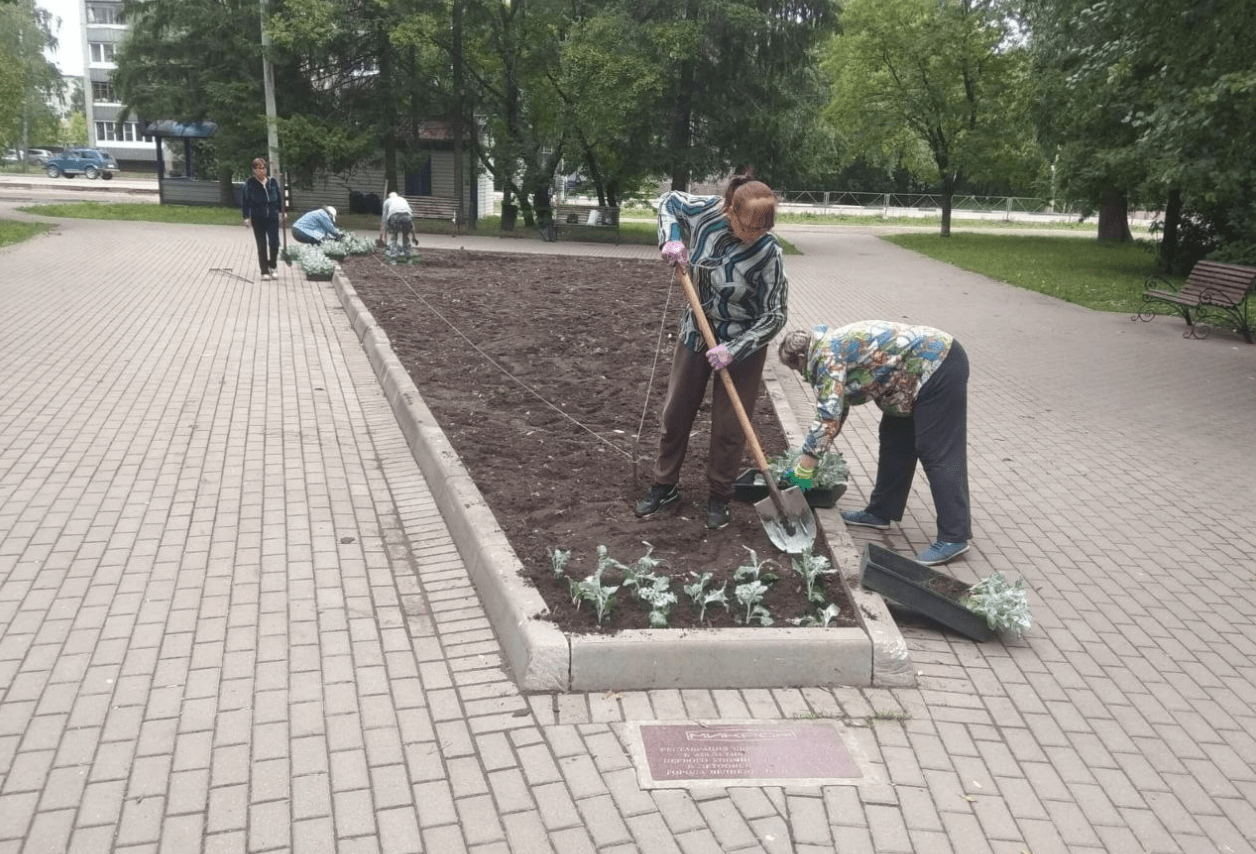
pixel 91 162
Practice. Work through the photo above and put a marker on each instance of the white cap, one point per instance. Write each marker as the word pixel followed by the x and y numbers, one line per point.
pixel 330 210
pixel 393 194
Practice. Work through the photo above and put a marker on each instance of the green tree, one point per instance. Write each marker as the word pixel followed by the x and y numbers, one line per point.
pixel 29 83
pixel 932 84
pixel 1089 79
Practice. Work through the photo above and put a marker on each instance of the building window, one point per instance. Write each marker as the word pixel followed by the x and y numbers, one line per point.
pixel 102 14
pixel 102 51
pixel 126 132
pixel 103 93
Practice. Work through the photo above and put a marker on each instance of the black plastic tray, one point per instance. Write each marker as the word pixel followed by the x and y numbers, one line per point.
pixel 923 590
pixel 749 487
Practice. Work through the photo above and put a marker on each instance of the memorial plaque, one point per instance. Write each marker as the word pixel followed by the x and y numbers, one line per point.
pixel 745 753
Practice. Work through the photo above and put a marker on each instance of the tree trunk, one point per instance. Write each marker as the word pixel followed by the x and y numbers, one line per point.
pixel 1114 225
pixel 459 107
pixel 226 192
pixel 1169 234
pixel 948 198
pixel 682 129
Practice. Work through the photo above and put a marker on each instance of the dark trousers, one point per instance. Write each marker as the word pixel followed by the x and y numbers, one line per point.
pixel 301 237
pixel 936 434
pixel 266 231
pixel 685 392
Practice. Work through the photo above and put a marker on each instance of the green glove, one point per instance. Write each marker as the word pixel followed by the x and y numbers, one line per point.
pixel 800 477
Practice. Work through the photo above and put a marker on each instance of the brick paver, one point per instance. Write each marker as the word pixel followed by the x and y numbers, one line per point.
pixel 231 619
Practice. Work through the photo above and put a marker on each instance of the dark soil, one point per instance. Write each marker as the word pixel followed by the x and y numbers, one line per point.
pixel 538 369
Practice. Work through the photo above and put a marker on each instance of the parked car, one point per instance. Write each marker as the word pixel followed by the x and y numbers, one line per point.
pixel 11 156
pixel 91 162
pixel 38 156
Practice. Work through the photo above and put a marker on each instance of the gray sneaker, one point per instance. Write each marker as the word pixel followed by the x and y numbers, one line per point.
pixel 941 552
pixel 864 519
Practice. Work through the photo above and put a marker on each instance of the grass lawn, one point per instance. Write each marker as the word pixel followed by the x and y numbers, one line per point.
pixel 12 231
pixel 1079 270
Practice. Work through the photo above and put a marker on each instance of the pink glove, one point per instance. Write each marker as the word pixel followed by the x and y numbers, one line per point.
pixel 719 357
pixel 674 252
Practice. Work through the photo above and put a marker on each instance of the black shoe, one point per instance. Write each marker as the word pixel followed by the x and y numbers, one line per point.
pixel 659 496
pixel 718 514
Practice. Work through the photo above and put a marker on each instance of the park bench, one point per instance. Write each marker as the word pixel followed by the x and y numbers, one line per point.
pixel 1211 289
pixel 435 207
pixel 596 217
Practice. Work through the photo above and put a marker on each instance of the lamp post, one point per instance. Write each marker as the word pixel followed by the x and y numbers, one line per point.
pixel 268 84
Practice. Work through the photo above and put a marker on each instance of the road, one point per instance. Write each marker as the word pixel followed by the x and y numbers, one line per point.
pixel 39 188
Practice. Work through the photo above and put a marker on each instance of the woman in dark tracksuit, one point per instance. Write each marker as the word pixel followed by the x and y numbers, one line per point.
pixel 262 209
pixel 918 377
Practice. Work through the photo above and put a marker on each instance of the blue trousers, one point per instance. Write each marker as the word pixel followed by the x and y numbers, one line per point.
pixel 936 434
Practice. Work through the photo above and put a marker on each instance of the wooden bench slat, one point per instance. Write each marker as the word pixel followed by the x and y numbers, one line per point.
pixel 434 207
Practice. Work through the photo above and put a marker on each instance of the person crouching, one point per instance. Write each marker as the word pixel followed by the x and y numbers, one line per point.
pixel 398 221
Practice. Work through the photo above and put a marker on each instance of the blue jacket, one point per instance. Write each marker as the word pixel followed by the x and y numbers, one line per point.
pixel 318 225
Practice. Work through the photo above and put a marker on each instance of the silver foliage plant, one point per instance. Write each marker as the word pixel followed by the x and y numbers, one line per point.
pixel 1005 606
pixel 831 469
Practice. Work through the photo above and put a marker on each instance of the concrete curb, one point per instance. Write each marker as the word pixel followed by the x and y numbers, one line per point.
pixel 544 659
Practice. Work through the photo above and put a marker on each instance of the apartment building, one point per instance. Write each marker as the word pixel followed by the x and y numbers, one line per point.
pixel 103 31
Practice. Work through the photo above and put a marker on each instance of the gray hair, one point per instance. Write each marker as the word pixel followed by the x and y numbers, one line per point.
pixel 793 349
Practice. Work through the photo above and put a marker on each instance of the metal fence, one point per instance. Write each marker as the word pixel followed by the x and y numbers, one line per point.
pixel 899 204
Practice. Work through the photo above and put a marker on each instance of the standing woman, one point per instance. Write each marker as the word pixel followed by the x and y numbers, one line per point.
pixel 260 204
pixel 738 271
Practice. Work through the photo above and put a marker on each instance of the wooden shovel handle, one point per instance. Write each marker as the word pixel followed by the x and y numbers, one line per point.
pixel 756 450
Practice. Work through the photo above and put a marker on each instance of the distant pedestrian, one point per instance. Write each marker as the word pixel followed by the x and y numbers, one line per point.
pixel 545 213
pixel 316 226
pixel 918 377
pixel 262 206
pixel 398 221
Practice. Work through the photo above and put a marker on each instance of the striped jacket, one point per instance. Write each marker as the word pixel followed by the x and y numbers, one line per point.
pixel 742 289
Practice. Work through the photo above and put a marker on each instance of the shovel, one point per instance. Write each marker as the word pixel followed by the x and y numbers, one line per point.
pixel 786 515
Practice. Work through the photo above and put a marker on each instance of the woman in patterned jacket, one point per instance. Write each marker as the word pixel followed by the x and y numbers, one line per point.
pixel 737 270
pixel 918 377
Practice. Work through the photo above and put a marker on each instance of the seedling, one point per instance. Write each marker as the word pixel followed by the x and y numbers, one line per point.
pixel 702 597
pixel 558 561
pixel 823 617
pixel 1005 606
pixel 812 568
pixel 831 469
pixel 592 590
pixel 641 573
pixel 751 595
pixel 660 598
pixel 755 568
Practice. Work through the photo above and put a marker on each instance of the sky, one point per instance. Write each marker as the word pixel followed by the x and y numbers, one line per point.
pixel 69 55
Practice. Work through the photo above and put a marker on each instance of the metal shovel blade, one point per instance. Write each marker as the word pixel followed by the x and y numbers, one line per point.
pixel 791 529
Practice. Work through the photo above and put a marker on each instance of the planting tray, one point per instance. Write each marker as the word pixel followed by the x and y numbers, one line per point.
pixel 750 487
pixel 923 590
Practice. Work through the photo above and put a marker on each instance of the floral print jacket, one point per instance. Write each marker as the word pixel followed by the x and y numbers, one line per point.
pixel 875 360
